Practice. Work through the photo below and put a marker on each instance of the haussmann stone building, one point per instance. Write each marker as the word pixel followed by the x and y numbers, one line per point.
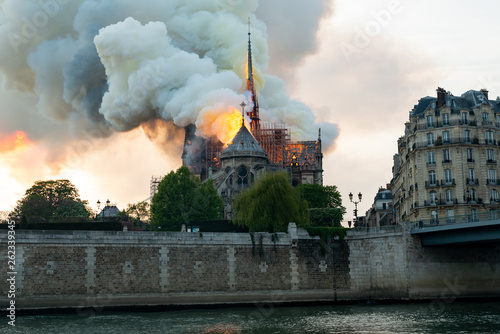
pixel 446 167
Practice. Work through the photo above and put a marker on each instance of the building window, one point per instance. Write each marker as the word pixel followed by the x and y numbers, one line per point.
pixel 465 118
pixel 430 158
pixel 473 215
pixel 243 177
pixel 498 121
pixel 432 178
pixel 446 156
pixel 430 121
pixel 490 155
pixel 486 117
pixel 434 217
pixel 430 139
pixel 433 197
pixel 488 137
pixel 493 215
pixel 446 119
pixel 492 176
pixel 473 196
pixel 472 177
pixel 447 176
pixel 493 196
pixel 449 196
pixel 467 136
pixel 450 216
pixel 470 156
pixel 446 137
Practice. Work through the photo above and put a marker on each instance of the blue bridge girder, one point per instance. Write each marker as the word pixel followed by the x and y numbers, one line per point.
pixel 473 233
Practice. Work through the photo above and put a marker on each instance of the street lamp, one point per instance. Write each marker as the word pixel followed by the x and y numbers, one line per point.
pixel 355 207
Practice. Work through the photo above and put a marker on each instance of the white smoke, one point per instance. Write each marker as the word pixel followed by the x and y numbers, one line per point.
pixel 97 67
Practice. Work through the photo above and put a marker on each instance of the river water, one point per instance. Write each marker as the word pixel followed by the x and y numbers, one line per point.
pixel 435 317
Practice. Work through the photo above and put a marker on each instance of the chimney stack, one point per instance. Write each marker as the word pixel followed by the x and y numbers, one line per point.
pixel 441 94
pixel 485 92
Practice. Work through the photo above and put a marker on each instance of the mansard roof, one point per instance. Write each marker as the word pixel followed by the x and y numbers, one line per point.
pixel 244 145
pixel 468 101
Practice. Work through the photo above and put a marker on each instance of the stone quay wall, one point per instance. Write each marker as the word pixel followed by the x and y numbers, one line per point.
pixel 90 269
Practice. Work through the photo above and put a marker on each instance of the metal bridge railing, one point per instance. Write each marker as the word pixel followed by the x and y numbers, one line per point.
pixel 442 221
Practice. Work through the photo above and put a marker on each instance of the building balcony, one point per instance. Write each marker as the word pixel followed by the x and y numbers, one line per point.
pixel 447 161
pixel 477 200
pixel 454 141
pixel 491 161
pixel 492 182
pixel 453 201
pixel 472 181
pixel 448 182
pixel 470 160
pixel 430 184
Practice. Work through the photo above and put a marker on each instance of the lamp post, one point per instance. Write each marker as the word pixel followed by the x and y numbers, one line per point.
pixel 355 207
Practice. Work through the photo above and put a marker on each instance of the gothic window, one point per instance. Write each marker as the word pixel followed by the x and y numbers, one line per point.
pixel 243 177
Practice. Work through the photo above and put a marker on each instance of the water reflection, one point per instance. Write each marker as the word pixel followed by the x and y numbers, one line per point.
pixel 457 317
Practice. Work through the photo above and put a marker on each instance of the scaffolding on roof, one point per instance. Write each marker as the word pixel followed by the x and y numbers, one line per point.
pixel 153 185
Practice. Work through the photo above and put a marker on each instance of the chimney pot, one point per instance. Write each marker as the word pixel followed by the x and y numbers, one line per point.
pixel 485 92
pixel 441 94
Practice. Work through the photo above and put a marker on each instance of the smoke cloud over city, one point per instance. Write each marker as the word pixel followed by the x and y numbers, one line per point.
pixel 92 68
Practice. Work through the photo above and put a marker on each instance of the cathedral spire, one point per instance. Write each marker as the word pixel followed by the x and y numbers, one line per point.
pixel 254 114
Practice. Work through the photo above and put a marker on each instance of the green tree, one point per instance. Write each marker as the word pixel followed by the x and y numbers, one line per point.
pixel 181 199
pixel 318 196
pixel 136 216
pixel 325 204
pixel 51 199
pixel 270 204
pixel 140 211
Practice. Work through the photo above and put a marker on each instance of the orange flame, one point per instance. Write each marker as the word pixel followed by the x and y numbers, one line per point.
pixel 227 125
pixel 13 142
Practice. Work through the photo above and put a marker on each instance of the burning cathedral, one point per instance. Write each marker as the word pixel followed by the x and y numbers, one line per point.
pixel 254 150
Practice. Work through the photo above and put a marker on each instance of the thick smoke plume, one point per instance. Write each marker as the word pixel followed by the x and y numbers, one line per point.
pixel 93 68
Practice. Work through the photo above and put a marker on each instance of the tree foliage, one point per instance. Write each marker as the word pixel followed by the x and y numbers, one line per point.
pixel 49 200
pixel 270 204
pixel 181 199
pixel 327 217
pixel 140 211
pixel 318 196
pixel 325 203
